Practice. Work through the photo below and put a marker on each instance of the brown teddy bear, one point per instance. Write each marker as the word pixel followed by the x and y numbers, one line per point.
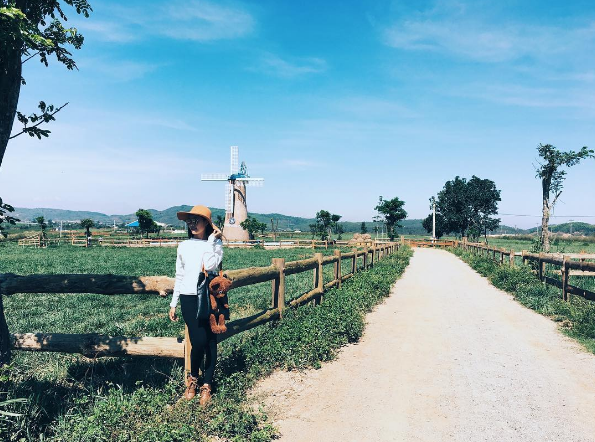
pixel 218 289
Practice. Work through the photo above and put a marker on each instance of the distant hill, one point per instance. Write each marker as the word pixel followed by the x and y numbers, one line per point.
pixel 168 216
pixel 286 222
pixel 574 228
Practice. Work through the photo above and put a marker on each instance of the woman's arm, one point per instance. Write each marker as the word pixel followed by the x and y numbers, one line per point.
pixel 179 277
pixel 214 254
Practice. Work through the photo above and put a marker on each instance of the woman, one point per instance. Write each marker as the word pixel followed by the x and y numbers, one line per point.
pixel 203 250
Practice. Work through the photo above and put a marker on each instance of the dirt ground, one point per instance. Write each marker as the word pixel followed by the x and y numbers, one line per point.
pixel 447 357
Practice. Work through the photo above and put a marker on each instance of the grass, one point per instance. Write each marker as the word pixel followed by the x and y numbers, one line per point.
pixel 558 245
pixel 577 318
pixel 73 398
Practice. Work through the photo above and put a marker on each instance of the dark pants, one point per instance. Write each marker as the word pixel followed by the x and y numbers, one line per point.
pixel 203 340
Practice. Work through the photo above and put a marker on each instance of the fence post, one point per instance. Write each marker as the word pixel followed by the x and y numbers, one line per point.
pixel 511 258
pixel 365 257
pixel 278 285
pixel 525 259
pixel 541 267
pixel 501 256
pixel 318 278
pixel 337 253
pixel 373 256
pixel 565 275
pixel 354 262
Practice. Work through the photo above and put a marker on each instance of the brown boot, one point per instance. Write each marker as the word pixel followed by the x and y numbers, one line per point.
pixel 205 395
pixel 191 388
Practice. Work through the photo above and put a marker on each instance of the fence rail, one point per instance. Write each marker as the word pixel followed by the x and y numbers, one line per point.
pixel 572 264
pixel 109 241
pixel 97 345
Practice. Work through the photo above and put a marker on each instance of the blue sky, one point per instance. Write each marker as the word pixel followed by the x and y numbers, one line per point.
pixel 333 103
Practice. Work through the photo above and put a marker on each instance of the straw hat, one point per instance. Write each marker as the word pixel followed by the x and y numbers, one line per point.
pixel 201 211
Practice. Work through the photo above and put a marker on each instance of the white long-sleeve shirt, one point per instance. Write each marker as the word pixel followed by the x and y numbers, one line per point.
pixel 193 255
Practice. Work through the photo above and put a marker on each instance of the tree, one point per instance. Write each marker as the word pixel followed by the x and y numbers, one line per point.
pixel 483 197
pixel 29 29
pixel 363 229
pixel 441 225
pixel 145 221
pixel 339 231
pixel 86 224
pixel 252 225
pixel 220 221
pixel 452 203
pixel 465 207
pixel 324 224
pixel 5 209
pixel 40 220
pixel 552 180
pixel 392 213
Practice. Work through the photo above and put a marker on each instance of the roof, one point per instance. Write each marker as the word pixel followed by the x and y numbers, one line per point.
pixel 132 224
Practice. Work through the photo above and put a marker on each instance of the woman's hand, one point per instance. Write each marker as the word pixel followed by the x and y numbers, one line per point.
pixel 172 314
pixel 217 232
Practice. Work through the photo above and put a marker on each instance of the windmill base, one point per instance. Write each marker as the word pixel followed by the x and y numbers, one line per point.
pixel 234 233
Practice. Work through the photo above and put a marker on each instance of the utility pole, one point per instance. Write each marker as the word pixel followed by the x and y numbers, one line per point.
pixel 60 229
pixel 433 221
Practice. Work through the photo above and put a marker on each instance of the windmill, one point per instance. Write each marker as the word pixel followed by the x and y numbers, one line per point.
pixel 236 209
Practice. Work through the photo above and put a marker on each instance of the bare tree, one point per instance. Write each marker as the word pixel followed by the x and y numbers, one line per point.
pixel 552 180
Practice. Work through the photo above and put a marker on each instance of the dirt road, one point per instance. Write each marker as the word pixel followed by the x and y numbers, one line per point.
pixel 446 358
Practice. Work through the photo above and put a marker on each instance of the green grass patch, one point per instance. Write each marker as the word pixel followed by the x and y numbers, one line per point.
pixel 576 318
pixel 72 398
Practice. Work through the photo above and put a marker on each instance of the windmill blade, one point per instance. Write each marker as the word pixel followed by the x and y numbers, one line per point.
pixel 228 197
pixel 213 177
pixel 258 182
pixel 235 164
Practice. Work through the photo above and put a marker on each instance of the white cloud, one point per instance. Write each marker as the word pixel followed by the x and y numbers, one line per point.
pixel 118 70
pixel 539 97
pixel 469 35
pixel 205 21
pixel 194 20
pixel 296 67
pixel 107 31
pixel 374 108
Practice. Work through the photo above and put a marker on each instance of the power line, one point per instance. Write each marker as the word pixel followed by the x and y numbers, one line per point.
pixel 551 216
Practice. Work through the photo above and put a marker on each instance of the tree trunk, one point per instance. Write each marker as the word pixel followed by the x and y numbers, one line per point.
pixel 10 87
pixel 545 219
pixel 4 337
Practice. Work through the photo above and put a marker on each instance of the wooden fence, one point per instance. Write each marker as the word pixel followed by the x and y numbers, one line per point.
pixel 572 264
pixel 97 345
pixel 111 241
pixel 427 242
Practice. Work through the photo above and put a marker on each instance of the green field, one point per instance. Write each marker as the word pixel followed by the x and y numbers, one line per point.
pixel 63 389
pixel 586 245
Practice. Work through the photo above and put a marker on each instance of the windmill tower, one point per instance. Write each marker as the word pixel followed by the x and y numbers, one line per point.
pixel 236 209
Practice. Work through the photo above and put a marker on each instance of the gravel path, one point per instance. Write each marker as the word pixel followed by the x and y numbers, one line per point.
pixel 447 357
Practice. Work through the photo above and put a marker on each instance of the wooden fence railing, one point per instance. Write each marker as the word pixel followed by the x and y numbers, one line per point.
pixel 97 345
pixel 427 242
pixel 572 264
pixel 109 241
